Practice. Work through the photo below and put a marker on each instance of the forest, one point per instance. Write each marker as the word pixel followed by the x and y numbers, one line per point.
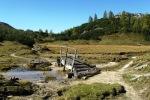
pixel 28 37
pixel 123 22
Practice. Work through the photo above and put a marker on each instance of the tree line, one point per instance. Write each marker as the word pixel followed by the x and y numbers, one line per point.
pixel 95 28
pixel 28 37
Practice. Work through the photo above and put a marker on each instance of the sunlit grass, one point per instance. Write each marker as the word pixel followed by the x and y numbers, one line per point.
pixel 95 91
pixel 102 49
pixel 141 84
pixel 6 49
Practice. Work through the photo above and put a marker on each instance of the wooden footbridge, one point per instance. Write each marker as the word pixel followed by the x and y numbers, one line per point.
pixel 78 68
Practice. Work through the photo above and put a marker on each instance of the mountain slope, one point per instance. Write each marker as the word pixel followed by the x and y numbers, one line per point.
pixel 8 33
pixel 97 29
pixel 28 37
pixel 5 26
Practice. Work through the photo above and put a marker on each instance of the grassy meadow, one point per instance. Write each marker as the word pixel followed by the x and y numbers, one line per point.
pixel 6 49
pixel 93 54
pixel 102 49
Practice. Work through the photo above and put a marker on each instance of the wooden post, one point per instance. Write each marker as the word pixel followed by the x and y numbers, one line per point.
pixel 74 59
pixel 60 56
pixel 66 58
pixel 75 54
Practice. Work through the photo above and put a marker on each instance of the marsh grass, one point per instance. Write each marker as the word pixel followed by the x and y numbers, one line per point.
pixel 101 49
pixel 142 60
pixel 97 91
pixel 97 54
pixel 140 84
pixel 6 49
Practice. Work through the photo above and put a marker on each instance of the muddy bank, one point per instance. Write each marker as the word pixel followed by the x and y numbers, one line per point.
pixel 18 83
pixel 15 87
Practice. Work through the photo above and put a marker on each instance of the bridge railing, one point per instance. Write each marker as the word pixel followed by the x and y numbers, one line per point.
pixel 65 52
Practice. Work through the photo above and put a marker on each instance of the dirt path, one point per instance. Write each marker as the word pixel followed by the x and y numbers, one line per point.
pixel 136 76
pixel 114 77
pixel 14 55
pixel 125 67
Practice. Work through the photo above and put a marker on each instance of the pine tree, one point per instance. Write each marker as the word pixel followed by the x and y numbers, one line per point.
pixel 40 30
pixel 95 17
pixel 46 31
pixel 105 16
pixel 111 14
pixel 90 19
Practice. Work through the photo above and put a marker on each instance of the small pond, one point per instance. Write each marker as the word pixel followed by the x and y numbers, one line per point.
pixel 32 76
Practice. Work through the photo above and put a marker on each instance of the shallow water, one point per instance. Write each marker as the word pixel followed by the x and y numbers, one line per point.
pixel 32 76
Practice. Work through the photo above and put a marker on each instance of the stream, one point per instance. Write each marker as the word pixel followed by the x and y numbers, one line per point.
pixel 32 76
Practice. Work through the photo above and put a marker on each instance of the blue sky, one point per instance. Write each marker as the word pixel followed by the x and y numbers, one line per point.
pixel 58 15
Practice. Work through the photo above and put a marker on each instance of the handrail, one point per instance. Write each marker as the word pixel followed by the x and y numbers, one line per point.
pixel 66 54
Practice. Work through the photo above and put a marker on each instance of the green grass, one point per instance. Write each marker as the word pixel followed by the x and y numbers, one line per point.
pixel 95 91
pixel 7 62
pixel 124 39
pixel 139 61
pixel 6 49
pixel 10 47
pixel 142 83
pixel 145 57
pixel 138 84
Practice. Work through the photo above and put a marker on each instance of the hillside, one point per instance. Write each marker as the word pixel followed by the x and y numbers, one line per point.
pixel 124 28
pixel 123 25
pixel 28 37
pixel 5 26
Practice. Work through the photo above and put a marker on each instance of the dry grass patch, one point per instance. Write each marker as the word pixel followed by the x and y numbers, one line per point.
pixel 100 49
pixel 141 85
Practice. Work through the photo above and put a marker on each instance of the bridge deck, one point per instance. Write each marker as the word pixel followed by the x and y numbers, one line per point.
pixel 78 67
